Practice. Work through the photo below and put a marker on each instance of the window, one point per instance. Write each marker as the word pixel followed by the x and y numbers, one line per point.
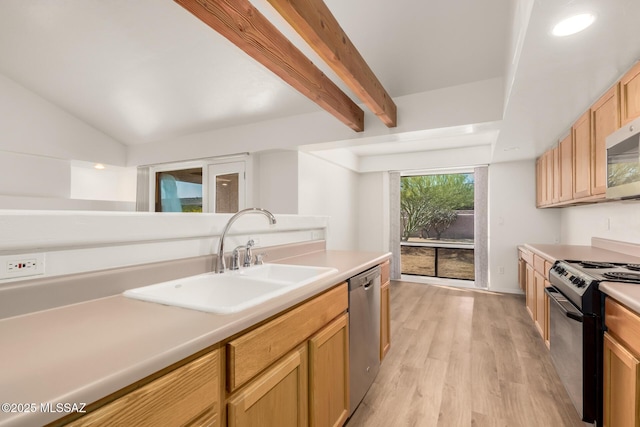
pixel 179 190
pixel 207 185
pixel 437 223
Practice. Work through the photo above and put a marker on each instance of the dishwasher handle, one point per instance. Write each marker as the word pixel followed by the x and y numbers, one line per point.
pixel 365 279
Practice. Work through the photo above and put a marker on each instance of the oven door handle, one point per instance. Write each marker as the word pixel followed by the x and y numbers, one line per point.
pixel 567 308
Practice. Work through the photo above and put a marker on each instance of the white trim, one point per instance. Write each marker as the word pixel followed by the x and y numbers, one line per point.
pixel 436 171
pixel 439 281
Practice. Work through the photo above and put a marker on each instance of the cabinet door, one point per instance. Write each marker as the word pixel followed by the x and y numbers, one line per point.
pixel 605 119
pixel 540 304
pixel 545 299
pixel 581 132
pixel 385 319
pixel 549 176
pixel 277 398
pixel 530 292
pixel 555 176
pixel 540 182
pixel 630 94
pixel 522 275
pixel 566 169
pixel 621 403
pixel 329 374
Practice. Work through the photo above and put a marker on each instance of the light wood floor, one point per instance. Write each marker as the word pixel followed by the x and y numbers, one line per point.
pixel 464 358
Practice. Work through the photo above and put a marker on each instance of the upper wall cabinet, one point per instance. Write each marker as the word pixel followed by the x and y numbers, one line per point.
pixel 605 119
pixel 565 148
pixel 575 171
pixel 630 94
pixel 581 134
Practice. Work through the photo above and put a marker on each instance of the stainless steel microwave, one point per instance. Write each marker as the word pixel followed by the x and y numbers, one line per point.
pixel 623 162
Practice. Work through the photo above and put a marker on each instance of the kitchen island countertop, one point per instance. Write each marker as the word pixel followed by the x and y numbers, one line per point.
pixel 83 352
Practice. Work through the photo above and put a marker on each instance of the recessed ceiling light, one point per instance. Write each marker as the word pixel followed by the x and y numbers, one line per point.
pixel 98 166
pixel 573 24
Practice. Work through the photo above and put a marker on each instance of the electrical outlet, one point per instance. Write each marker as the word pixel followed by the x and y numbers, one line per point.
pixel 22 265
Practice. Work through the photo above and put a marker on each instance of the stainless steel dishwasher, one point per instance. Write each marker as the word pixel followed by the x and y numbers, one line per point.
pixel 364 333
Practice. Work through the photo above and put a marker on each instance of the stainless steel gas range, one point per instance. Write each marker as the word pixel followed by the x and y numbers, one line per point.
pixel 575 330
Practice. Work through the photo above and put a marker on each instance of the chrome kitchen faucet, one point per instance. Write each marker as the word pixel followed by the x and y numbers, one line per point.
pixel 221 266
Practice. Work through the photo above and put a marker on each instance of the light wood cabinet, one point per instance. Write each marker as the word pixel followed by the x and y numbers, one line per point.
pixel 385 319
pixel 265 366
pixel 522 274
pixel 605 119
pixel 255 350
pixel 329 375
pixel 621 366
pixel 581 135
pixel 540 314
pixel 621 373
pixel 530 291
pixel 630 95
pixel 621 383
pixel 186 396
pixel 540 176
pixel 548 178
pixel 385 310
pixel 555 175
pixel 579 174
pixel 276 398
pixel 534 276
pixel 565 148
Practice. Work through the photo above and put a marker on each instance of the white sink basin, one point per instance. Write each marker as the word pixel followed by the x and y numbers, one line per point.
pixel 231 291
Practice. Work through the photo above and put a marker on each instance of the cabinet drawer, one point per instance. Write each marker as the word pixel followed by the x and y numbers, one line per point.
pixel 384 272
pixel 547 267
pixel 189 395
pixel 538 264
pixel 527 256
pixel 623 324
pixel 254 351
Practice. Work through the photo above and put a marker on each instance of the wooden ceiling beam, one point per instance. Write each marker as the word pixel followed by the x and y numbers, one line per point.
pixel 313 20
pixel 243 25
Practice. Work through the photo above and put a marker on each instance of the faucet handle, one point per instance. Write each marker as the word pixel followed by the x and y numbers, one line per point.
pixel 235 258
pixel 247 254
pixel 259 259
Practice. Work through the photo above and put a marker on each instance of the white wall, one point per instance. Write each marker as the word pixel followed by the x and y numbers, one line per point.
pixel 514 220
pixel 33 176
pixel 112 183
pixel 37 142
pixel 611 220
pixel 373 215
pixel 33 125
pixel 277 181
pixel 330 190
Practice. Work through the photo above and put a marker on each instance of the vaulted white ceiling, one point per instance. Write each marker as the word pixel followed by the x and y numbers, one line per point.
pixel 148 73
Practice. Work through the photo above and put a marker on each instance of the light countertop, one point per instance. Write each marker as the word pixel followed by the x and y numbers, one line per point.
pixel 577 252
pixel 83 352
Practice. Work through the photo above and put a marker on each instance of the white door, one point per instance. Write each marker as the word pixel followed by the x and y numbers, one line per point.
pixel 226 189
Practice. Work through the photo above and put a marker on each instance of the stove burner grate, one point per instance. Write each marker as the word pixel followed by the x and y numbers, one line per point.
pixel 595 264
pixel 619 275
pixel 634 267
